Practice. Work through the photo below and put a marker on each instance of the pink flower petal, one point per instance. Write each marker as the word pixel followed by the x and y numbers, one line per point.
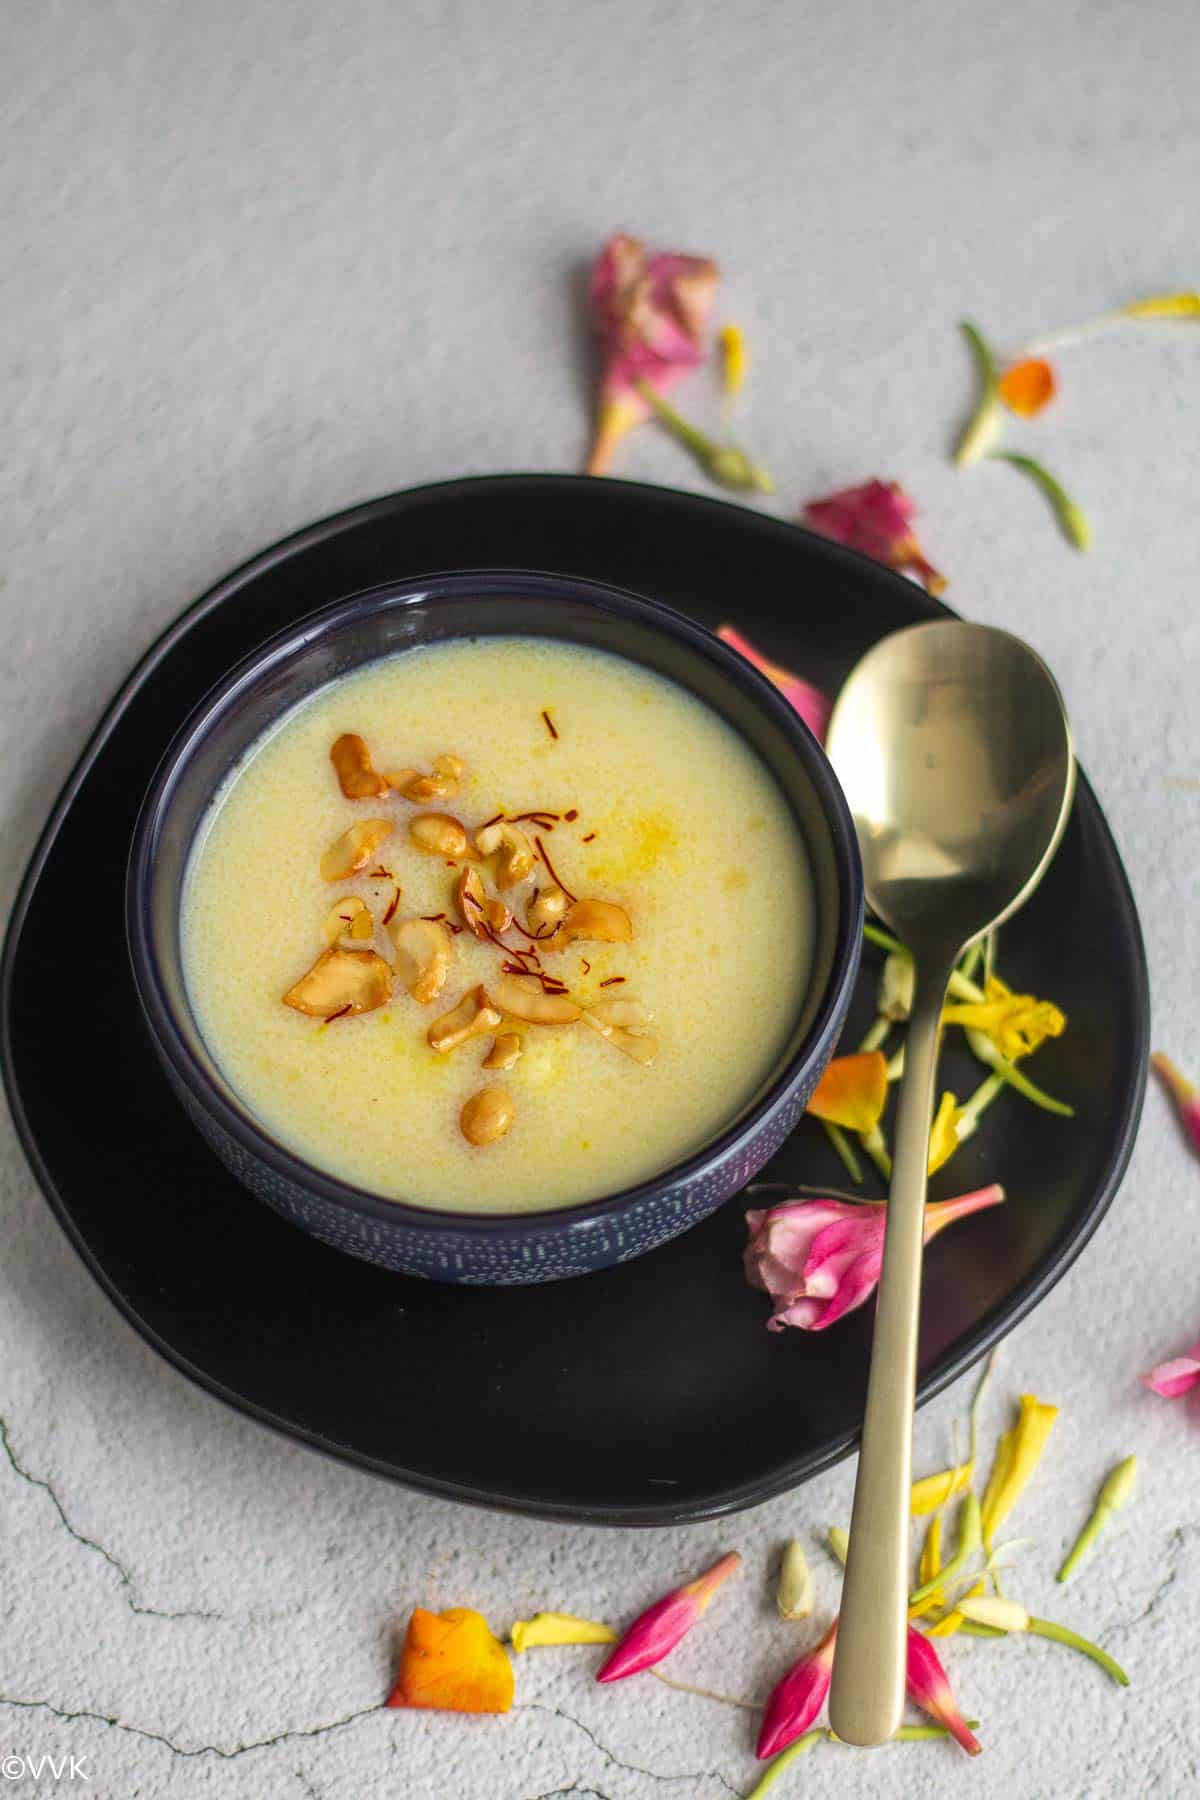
pixel 875 519
pixel 808 701
pixel 655 1633
pixel 860 1283
pixel 780 1239
pixel 1182 1092
pixel 929 1686
pixel 1171 1379
pixel 796 1700
pixel 803 1315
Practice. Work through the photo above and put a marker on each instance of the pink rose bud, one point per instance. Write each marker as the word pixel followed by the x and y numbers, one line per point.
pixel 929 1687
pixel 656 1632
pixel 875 519
pixel 1182 1092
pixel 796 1700
pixel 819 1259
pixel 652 316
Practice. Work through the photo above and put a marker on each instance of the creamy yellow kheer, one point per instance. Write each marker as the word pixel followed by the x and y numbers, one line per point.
pixel 350 964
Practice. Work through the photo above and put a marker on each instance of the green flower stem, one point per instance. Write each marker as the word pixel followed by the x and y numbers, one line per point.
pixel 983 1631
pixel 784 1760
pixel 926 1734
pixel 979 1102
pixel 875 934
pixel 986 1051
pixel 1071 517
pixel 905 1734
pixel 970 962
pixel 875 1145
pixel 976 1406
pixel 980 428
pixel 896 986
pixel 804 1190
pixel 688 435
pixel 895 1068
pixel 1111 1498
pixel 947 1572
pixel 1066 340
pixel 1059 1634
pixel 731 468
pixel 970 1537
pixel 961 987
pixel 845 1150
pixel 876 1037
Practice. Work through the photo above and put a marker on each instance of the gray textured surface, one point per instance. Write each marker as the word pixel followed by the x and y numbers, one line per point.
pixel 263 260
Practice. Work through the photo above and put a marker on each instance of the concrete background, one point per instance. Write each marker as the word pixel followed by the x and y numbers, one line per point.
pixel 268 259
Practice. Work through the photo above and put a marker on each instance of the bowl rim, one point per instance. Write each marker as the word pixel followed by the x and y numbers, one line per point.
pixel 239 1122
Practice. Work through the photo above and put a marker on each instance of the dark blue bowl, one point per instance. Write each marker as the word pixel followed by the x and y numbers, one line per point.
pixel 481 1247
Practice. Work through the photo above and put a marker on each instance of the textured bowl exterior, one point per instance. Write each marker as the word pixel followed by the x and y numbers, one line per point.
pixel 521 1250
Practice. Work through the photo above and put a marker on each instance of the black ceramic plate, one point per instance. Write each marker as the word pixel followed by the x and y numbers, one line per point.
pixel 646 1394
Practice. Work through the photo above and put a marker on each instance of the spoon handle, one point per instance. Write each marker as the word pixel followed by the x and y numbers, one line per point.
pixel 867 1695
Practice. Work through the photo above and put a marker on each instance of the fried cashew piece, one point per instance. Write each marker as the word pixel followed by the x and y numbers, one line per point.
pixel 442 784
pixel 352 764
pixel 350 854
pixel 515 859
pixel 625 1024
pixel 424 953
pixel 545 911
pixel 593 921
pixel 480 911
pixel 486 1116
pixel 523 997
pixel 348 923
pixel 505 1051
pixel 440 834
pixel 341 982
pixel 473 1014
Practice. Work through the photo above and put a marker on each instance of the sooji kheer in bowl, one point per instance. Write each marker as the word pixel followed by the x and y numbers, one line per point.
pixel 498 926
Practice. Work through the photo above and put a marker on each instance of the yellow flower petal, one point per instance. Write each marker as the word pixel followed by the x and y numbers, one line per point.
pixel 558 1628
pixel 618 414
pixel 1164 306
pixel 1015 1023
pixel 930 1565
pixel 933 1491
pixel 943 1138
pixel 1017 1456
pixel 733 358
pixel 953 1620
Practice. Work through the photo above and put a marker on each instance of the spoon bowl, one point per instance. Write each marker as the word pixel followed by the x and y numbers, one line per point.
pixel 951 743
pixel 952 746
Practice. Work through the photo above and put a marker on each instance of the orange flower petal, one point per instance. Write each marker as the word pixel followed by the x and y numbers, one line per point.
pixel 451 1661
pixel 1028 386
pixel 853 1091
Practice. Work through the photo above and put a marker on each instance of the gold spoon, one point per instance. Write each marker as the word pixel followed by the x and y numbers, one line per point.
pixel 952 744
